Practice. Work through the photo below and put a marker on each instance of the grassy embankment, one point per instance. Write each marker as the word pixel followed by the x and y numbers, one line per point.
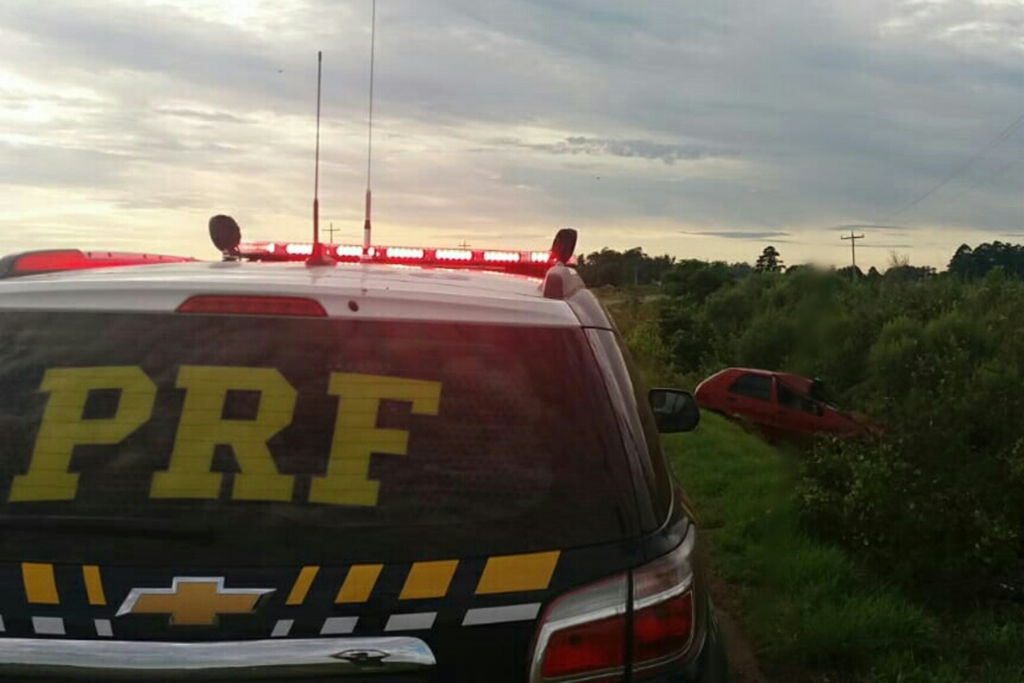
pixel 811 612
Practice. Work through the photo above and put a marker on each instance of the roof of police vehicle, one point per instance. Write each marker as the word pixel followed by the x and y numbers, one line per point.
pixel 378 290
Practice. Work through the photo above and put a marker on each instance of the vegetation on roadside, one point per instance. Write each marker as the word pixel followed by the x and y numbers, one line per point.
pixel 938 504
pixel 899 559
pixel 812 611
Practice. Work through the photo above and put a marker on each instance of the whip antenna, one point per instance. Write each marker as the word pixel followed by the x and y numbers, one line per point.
pixel 369 144
pixel 316 257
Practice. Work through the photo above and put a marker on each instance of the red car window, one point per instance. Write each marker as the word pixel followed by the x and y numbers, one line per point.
pixel 788 398
pixel 753 386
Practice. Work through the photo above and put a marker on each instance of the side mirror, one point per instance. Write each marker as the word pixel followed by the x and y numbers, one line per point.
pixel 675 410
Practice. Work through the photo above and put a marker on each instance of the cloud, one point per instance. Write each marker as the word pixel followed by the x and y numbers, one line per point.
pixel 891 229
pixel 884 246
pixel 643 149
pixel 499 121
pixel 52 166
pixel 742 235
pixel 206 116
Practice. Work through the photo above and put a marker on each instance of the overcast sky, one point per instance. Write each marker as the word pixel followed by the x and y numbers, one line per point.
pixel 700 129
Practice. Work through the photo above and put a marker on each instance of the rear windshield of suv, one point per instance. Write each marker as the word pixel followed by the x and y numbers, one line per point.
pixel 284 439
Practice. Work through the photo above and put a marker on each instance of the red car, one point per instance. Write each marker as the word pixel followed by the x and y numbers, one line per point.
pixel 779 405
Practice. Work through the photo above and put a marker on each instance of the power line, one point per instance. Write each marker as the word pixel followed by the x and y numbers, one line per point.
pixel 990 177
pixel 958 170
pixel 999 171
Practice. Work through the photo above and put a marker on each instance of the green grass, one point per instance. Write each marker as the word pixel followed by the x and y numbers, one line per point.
pixel 811 613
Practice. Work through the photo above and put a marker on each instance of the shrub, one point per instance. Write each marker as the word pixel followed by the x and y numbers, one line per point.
pixel 768 342
pixel 901 510
pixel 690 340
pixel 939 502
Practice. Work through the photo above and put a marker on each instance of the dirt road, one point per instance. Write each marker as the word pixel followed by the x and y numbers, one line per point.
pixel 741 653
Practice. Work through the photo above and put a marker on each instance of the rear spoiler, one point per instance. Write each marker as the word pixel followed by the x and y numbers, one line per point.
pixel 62 260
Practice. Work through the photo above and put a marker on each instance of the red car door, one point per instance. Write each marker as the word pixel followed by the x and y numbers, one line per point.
pixel 798 415
pixel 751 397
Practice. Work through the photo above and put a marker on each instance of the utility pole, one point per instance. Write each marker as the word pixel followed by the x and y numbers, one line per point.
pixel 853 248
pixel 330 231
pixel 464 245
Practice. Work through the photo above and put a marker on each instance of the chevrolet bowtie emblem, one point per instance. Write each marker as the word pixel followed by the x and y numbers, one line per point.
pixel 193 601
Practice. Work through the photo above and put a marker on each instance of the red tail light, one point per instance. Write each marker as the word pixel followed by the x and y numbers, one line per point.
pixel 663 612
pixel 594 646
pixel 253 305
pixel 663 630
pixel 582 635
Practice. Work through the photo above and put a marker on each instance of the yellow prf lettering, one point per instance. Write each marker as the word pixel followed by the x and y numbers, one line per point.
pixel 63 426
pixel 356 436
pixel 202 429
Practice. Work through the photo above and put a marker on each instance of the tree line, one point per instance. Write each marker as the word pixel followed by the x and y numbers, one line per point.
pixel 938 357
pixel 611 268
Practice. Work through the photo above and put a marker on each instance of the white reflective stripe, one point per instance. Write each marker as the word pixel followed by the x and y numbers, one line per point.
pixel 282 628
pixel 104 629
pixel 411 622
pixel 48 626
pixel 335 626
pixel 3 628
pixel 500 615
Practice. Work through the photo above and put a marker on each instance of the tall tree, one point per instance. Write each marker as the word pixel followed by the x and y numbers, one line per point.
pixel 769 261
pixel 972 264
pixel 962 263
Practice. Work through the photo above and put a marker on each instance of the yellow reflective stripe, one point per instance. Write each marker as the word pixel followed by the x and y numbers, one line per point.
pixel 63 427
pixel 94 586
pixel 40 586
pixel 359 583
pixel 517 573
pixel 202 427
pixel 428 580
pixel 302 585
pixel 357 438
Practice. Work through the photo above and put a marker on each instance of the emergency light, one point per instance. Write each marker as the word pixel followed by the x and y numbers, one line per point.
pixel 59 260
pixel 534 263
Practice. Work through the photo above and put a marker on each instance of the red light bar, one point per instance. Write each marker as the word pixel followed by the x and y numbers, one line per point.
pixel 253 305
pixel 534 263
pixel 59 260
pixel 404 254
pixel 502 256
pixel 455 255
